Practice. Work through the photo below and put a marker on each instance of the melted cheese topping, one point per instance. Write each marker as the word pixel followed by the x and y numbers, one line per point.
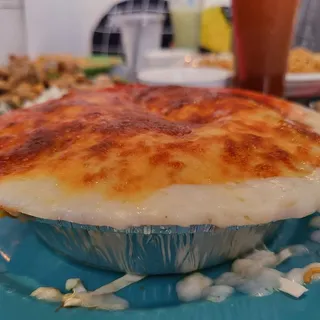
pixel 135 155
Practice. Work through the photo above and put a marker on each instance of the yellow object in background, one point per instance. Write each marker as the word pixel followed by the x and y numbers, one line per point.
pixel 216 30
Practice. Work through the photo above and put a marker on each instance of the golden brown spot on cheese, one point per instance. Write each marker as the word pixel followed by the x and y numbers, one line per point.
pixel 265 170
pixel 91 178
pixel 127 142
pixel 177 165
pixel 160 158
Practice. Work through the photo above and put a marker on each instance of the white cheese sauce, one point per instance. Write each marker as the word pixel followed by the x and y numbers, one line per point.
pixel 247 203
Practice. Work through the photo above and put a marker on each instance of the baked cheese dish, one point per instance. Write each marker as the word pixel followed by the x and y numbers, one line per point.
pixel 136 155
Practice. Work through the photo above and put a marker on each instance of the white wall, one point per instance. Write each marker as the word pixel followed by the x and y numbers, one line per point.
pixel 12 33
pixel 56 26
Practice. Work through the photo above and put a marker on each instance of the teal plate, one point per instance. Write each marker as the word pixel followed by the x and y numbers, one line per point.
pixel 26 263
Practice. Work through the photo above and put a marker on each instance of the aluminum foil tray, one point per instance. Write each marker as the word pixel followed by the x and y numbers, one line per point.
pixel 152 249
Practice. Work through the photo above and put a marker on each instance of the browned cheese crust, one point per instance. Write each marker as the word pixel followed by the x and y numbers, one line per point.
pixel 130 141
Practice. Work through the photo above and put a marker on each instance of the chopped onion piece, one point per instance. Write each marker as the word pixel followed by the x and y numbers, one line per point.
pixel 315 236
pixel 101 301
pixel 119 284
pixel 98 299
pixel 47 294
pixel 229 279
pixel 253 288
pixel 71 301
pixel 272 276
pixel 284 255
pixel 192 287
pixel 246 267
pixel 315 222
pixel 294 289
pixel 218 293
pixel 261 285
pixel 296 275
pixel 75 285
pixel 295 250
pixel 253 263
pixel 254 275
pixel 299 250
pixel 265 258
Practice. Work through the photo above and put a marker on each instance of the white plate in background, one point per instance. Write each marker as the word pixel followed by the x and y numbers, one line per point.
pixel 189 77
pixel 302 77
pixel 164 58
pixel 302 84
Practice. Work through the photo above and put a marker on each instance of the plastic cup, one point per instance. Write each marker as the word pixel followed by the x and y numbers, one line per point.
pixel 186 21
pixel 140 33
pixel 262 38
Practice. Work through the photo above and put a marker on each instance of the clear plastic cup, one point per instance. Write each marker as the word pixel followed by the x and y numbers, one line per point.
pixel 186 21
pixel 262 36
pixel 140 33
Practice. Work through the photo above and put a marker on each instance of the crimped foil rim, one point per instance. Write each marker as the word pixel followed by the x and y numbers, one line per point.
pixel 165 229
